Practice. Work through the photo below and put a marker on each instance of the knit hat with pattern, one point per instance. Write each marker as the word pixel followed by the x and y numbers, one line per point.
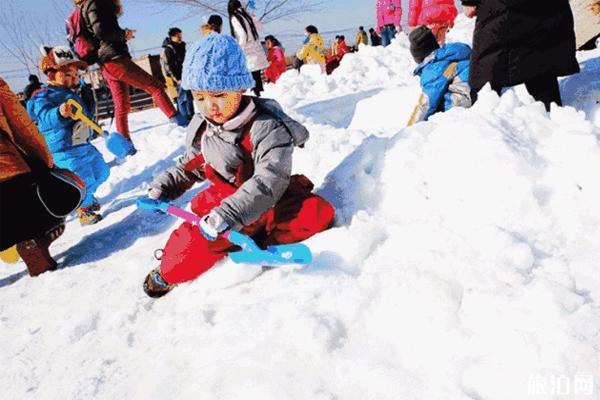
pixel 216 63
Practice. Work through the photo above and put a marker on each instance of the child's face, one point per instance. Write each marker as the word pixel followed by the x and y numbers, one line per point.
pixel 219 107
pixel 67 76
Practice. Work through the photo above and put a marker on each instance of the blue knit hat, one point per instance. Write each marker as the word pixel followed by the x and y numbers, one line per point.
pixel 216 63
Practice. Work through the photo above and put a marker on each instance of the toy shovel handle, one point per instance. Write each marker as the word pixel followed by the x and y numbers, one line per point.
pixel 80 116
pixel 235 237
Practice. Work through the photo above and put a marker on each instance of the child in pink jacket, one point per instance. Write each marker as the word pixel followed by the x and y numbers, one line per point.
pixel 437 15
pixel 389 16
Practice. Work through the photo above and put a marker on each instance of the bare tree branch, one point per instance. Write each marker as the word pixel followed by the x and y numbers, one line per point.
pixel 21 33
pixel 268 10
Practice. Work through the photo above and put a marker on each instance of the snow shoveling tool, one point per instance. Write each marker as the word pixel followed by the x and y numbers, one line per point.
pixel 115 142
pixel 250 253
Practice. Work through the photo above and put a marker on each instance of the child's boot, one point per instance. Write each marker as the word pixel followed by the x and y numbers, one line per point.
pixel 95 207
pixel 87 216
pixel 36 256
pixel 155 286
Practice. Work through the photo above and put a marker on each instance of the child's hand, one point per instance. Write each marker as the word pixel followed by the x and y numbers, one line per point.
pixel 211 225
pixel 66 111
pixel 154 193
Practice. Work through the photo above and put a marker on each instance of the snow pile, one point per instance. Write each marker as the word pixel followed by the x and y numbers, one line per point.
pixel 463 265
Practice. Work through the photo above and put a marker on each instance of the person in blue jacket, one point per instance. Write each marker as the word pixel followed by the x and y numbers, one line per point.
pixel 444 73
pixel 67 139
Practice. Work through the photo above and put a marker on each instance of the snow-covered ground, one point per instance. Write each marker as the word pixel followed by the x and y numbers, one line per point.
pixel 464 263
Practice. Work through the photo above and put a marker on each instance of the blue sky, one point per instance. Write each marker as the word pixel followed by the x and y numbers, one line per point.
pixel 152 21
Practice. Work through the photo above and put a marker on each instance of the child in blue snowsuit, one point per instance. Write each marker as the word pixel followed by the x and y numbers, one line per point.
pixel 67 139
pixel 444 73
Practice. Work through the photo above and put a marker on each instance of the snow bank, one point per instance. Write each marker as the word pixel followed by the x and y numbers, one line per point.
pixel 463 264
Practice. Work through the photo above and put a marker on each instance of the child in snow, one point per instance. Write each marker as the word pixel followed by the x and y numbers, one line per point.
pixel 334 60
pixel 444 73
pixel 243 145
pixel 438 15
pixel 68 140
pixel 312 51
pixel 276 57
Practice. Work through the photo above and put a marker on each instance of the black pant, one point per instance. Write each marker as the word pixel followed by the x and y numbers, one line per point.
pixel 258 80
pixel 543 88
pixel 22 215
pixel 297 63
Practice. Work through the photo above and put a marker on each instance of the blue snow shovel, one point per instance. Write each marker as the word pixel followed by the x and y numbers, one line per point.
pixel 115 142
pixel 250 253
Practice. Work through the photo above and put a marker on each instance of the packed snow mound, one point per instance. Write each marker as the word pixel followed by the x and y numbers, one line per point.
pixel 463 263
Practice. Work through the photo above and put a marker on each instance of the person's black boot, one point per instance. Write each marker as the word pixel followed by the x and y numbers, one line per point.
pixel 155 286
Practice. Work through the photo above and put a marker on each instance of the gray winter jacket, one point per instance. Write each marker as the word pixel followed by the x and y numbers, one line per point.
pixel 273 135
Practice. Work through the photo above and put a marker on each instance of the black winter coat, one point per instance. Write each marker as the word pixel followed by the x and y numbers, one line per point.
pixel 517 40
pixel 174 55
pixel 100 20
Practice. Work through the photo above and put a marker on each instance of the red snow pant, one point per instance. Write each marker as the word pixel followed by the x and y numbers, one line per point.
pixel 298 215
pixel 122 73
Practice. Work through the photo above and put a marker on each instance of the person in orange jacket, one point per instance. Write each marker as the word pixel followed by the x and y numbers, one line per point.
pixel 24 220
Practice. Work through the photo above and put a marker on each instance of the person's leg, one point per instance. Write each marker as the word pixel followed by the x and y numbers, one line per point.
pixel 120 95
pixel 258 87
pixel 26 223
pixel 185 102
pixel 188 254
pixel 130 73
pixel 385 41
pixel 100 169
pixel 299 215
pixel 295 220
pixel 544 89
pixel 22 214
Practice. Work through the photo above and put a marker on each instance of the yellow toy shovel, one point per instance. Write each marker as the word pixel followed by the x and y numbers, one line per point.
pixel 115 142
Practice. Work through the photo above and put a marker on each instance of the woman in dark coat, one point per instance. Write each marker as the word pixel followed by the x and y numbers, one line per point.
pixel 100 20
pixel 522 41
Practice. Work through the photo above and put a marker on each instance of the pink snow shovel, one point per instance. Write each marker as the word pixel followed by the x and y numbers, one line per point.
pixel 250 253
pixel 115 142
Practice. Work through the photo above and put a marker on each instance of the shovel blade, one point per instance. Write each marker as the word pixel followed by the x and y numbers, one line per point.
pixel 118 145
pixel 283 254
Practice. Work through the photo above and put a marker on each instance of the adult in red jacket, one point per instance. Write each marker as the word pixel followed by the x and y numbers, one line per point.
pixel 276 58
pixel 438 15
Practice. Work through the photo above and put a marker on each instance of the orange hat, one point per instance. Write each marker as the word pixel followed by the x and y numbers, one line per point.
pixel 55 57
